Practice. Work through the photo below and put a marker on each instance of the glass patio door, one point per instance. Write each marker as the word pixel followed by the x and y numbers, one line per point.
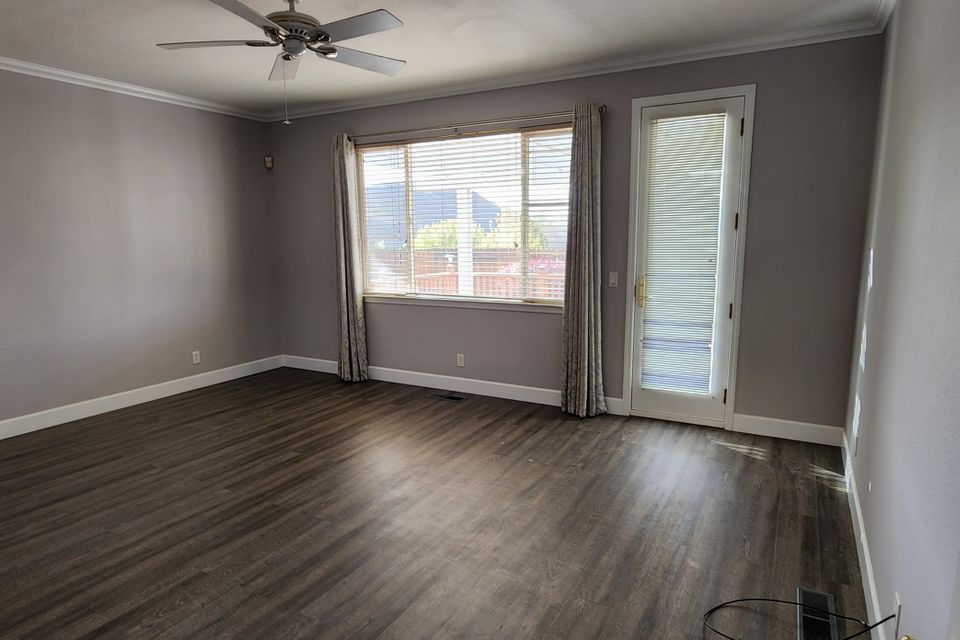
pixel 687 217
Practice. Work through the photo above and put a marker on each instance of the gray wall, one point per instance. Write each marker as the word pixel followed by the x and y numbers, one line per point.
pixel 908 390
pixel 815 127
pixel 131 233
pixel 954 631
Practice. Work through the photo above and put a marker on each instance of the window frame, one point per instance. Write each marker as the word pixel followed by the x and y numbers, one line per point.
pixel 546 305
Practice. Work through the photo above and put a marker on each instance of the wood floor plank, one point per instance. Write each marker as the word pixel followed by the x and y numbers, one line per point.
pixel 290 505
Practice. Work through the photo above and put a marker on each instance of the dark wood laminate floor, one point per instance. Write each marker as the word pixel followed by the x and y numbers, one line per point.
pixel 288 505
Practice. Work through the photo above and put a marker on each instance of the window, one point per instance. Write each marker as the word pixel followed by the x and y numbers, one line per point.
pixel 476 217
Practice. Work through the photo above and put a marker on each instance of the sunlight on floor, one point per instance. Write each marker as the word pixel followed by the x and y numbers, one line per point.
pixel 827 478
pixel 751 451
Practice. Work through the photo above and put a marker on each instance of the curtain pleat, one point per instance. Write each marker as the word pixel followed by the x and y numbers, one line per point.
pixel 352 363
pixel 582 367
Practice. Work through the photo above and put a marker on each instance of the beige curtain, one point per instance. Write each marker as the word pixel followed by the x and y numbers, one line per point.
pixel 346 209
pixel 582 367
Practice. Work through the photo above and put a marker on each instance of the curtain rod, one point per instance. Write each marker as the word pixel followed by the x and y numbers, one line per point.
pixel 477 123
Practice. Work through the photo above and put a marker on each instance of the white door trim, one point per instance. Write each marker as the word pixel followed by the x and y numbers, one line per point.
pixel 748 93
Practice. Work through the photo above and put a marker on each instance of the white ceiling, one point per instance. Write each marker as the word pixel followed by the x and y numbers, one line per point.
pixel 450 45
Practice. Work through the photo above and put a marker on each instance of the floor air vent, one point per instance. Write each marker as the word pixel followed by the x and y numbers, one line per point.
pixel 449 397
pixel 813 623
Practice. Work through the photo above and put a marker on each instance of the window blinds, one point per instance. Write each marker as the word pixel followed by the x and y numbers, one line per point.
pixel 682 246
pixel 482 216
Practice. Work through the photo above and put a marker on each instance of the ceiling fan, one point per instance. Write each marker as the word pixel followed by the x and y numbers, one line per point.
pixel 297 33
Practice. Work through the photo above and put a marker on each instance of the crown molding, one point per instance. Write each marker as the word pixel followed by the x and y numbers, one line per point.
pixel 94 82
pixel 818 35
pixel 884 12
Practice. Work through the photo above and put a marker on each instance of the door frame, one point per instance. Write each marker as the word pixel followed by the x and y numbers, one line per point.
pixel 748 93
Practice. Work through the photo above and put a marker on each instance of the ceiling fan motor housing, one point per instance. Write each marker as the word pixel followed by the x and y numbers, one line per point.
pixel 299 26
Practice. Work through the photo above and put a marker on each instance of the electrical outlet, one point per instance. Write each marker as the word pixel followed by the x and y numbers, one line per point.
pixel 196 357
pixel 460 361
pixel 614 279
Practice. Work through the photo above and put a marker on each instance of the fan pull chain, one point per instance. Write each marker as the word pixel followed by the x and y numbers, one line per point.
pixel 286 112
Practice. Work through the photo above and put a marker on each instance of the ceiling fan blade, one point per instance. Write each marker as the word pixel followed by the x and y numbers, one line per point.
pixel 248 14
pixel 364 60
pixel 281 67
pixel 373 22
pixel 217 43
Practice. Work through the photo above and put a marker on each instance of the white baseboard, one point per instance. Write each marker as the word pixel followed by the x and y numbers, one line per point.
pixel 59 415
pixel 617 407
pixel 10 427
pixel 537 395
pixel 68 413
pixel 788 429
pixel 523 393
pixel 874 612
pixel 310 364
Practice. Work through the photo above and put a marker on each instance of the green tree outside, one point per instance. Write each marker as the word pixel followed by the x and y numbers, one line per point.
pixel 505 234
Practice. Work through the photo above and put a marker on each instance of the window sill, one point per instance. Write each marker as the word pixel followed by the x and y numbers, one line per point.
pixel 460 303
